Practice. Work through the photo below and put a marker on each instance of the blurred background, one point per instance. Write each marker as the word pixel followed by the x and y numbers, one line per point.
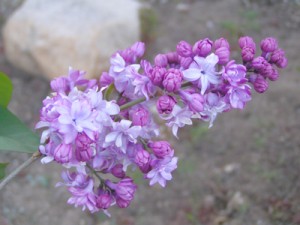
pixel 244 170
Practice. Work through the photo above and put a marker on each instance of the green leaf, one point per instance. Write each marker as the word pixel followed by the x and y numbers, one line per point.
pixel 15 135
pixel 2 170
pixel 6 89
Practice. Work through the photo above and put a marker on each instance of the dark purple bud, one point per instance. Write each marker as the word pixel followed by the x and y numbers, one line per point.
pixel 172 80
pixel 84 154
pixel 274 75
pixel 84 151
pixel 269 44
pixel 196 105
pixel 124 190
pixel 63 153
pixel 161 60
pixel 139 116
pixel 157 74
pixel 118 171
pixel 122 203
pixel 203 47
pixel 282 63
pixel 105 79
pixel 185 62
pixel 248 54
pixel 104 201
pixel 278 57
pixel 172 57
pixel 247 42
pixel 184 49
pixel 82 141
pixel 60 84
pixel 165 104
pixel 128 55
pixel 258 63
pixel 193 100
pixel 138 48
pixel 266 70
pixel 260 84
pixel 224 55
pixel 147 67
pixel 161 149
pixel 221 42
pixel 142 159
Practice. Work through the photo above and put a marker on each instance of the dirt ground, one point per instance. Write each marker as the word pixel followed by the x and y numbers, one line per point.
pixel 243 171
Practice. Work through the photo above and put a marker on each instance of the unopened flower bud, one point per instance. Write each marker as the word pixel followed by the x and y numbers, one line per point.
pixel 282 63
pixel 185 62
pixel 122 203
pixel 124 191
pixel 60 84
pixel 165 104
pixel 84 154
pixel 118 171
pixel 193 100
pixel 196 105
pixel 248 54
pixel 278 57
pixel 138 48
pixel 274 75
pixel 161 60
pixel 260 84
pixel 221 42
pixel 247 42
pixel 203 47
pixel 258 63
pixel 172 80
pixel 63 153
pixel 104 201
pixel 161 149
pixel 223 54
pixel 172 57
pixel 269 44
pixel 266 70
pixel 184 49
pixel 139 116
pixel 157 74
pixel 142 159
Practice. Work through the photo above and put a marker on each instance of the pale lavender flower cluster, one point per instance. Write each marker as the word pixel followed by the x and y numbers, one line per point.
pixel 106 128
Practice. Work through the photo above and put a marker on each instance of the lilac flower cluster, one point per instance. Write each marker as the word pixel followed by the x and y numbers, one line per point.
pixel 100 130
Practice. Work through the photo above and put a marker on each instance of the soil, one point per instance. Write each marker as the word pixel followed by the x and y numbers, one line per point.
pixel 244 170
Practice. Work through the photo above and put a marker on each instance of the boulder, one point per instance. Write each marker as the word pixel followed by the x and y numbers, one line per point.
pixel 45 37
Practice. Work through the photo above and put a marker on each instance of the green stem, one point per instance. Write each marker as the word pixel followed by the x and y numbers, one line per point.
pixel 96 174
pixel 186 84
pixel 132 103
pixel 12 175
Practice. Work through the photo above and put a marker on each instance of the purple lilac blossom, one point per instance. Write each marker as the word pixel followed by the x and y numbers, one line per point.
pixel 203 71
pixel 122 134
pixel 179 117
pixel 162 169
pixel 85 131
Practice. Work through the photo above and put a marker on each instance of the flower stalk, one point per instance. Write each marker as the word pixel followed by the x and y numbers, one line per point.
pixel 15 172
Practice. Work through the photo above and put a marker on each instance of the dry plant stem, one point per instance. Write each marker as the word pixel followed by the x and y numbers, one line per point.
pixel 29 161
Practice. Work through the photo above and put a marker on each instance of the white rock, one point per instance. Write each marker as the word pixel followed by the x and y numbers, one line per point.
pixel 47 36
pixel 236 202
pixel 232 167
